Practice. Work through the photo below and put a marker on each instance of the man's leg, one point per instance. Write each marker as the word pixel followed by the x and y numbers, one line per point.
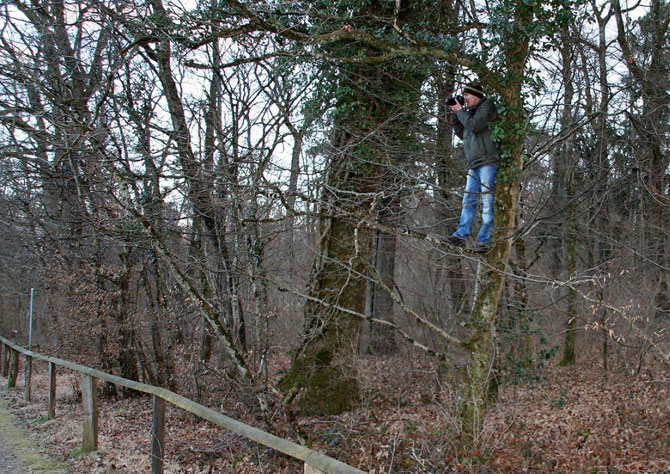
pixel 487 177
pixel 470 201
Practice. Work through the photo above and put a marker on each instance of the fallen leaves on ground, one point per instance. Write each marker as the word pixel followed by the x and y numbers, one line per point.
pixel 568 420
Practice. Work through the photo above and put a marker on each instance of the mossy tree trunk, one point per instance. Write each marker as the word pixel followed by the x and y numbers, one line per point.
pixel 483 320
pixel 324 370
pixel 476 391
pixel 447 173
pixel 323 375
pixel 374 124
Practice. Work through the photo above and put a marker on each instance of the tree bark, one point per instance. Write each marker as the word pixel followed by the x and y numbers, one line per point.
pixel 480 345
pixel 325 367
pixel 381 337
pixel 651 80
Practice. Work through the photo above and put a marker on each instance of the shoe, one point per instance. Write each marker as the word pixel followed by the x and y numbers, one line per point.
pixel 481 248
pixel 456 241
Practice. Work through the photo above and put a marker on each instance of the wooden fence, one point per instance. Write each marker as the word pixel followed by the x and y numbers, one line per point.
pixel 314 461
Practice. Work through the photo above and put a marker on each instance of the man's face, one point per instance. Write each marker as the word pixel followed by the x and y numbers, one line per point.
pixel 471 100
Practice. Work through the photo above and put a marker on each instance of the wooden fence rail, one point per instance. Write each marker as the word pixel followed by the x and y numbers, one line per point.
pixel 314 461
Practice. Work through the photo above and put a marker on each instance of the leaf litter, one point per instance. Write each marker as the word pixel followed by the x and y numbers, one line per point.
pixel 569 420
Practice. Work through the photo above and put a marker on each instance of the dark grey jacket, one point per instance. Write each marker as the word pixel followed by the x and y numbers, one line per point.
pixel 473 128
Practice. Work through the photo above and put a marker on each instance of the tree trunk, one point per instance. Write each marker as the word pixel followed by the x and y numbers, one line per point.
pixel 565 155
pixel 522 319
pixel 325 367
pixel 382 338
pixel 651 81
pixel 571 329
pixel 480 345
pixel 447 175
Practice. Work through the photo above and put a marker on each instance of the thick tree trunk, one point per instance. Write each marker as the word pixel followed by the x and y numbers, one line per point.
pixel 446 173
pixel 374 120
pixel 324 373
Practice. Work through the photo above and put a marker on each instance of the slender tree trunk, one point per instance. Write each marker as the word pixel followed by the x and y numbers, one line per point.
pixel 571 244
pixel 523 321
pixel 480 345
pixel 598 166
pixel 382 338
pixel 566 155
pixel 199 195
pixel 446 172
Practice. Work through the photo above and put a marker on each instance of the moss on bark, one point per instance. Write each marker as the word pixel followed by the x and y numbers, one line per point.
pixel 323 373
pixel 476 393
pixel 328 389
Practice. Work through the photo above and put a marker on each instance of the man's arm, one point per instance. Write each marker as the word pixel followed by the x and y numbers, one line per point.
pixel 452 119
pixel 458 128
pixel 478 122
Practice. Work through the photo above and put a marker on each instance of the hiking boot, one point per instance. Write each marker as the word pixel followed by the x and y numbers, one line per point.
pixel 456 241
pixel 481 248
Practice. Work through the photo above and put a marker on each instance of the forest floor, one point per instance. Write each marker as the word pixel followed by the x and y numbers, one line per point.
pixel 560 420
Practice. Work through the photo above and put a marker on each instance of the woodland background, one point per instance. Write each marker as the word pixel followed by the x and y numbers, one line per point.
pixel 246 202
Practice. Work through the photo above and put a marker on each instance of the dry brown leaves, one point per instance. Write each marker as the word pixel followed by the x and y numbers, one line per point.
pixel 570 421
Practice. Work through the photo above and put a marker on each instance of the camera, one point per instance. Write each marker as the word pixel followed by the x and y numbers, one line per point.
pixel 455 99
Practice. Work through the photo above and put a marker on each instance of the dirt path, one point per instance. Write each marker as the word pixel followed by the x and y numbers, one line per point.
pixel 18 452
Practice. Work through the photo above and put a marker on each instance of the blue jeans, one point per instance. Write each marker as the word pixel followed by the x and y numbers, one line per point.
pixel 481 182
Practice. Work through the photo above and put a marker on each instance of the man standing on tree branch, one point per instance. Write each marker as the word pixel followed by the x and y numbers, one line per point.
pixel 473 114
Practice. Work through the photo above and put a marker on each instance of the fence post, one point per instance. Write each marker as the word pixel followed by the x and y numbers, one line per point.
pixel 13 368
pixel 158 436
pixel 89 401
pixel 51 412
pixel 27 376
pixel 5 359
